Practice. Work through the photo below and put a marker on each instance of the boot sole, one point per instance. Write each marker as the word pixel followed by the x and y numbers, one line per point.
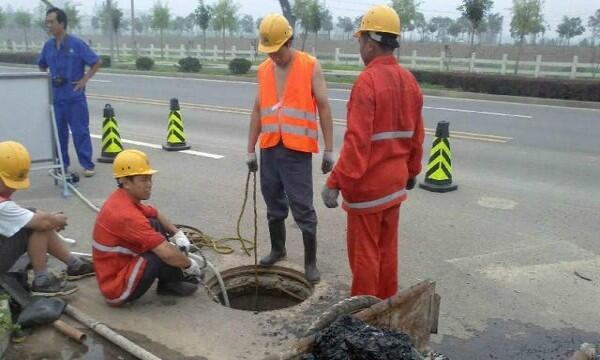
pixel 58 293
pixel 77 277
pixel 274 262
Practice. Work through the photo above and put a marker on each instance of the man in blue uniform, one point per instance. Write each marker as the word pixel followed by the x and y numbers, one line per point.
pixel 67 56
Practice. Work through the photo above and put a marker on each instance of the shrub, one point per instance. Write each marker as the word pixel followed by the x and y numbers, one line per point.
pixel 583 90
pixel 240 66
pixel 19 58
pixel 106 61
pixel 144 63
pixel 189 64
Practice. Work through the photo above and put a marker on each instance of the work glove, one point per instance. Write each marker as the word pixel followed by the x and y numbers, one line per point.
pixel 193 269
pixel 330 197
pixel 252 162
pixel 328 162
pixel 182 241
pixel 410 184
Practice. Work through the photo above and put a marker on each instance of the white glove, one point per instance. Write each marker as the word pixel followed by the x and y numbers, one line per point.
pixel 193 270
pixel 181 240
pixel 328 162
pixel 330 196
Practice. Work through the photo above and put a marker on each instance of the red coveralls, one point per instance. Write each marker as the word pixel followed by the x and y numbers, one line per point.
pixel 121 234
pixel 382 149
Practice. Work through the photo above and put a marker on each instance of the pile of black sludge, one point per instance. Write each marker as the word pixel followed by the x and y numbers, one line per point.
pixel 350 338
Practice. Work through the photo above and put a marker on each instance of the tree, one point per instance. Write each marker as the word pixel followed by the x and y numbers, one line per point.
pixel 2 18
pixel 475 11
pixel 314 20
pixel 569 28
pixel 202 14
pixel 442 24
pixel 224 18
pixel 111 22
pixel 407 10
pixel 594 26
pixel 346 24
pixel 189 22
pixel 302 14
pixel 161 16
pixel 177 25
pixel 288 12
pixel 23 20
pixel 247 24
pixel 494 27
pixel 72 15
pixel 327 21
pixel 454 29
pixel 420 23
pixel 527 18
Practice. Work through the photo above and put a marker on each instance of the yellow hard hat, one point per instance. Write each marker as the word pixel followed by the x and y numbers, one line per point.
pixel 14 165
pixel 132 162
pixel 273 32
pixel 380 18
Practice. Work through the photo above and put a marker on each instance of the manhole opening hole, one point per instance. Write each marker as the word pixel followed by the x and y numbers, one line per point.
pixel 278 288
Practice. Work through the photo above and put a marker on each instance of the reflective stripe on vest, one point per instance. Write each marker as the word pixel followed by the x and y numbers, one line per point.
pixel 134 272
pixel 291 129
pixel 376 202
pixel 392 135
pixel 291 112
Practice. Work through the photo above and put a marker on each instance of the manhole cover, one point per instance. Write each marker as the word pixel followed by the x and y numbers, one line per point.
pixel 278 288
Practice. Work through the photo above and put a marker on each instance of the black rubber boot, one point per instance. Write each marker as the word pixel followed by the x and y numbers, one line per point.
pixel 277 232
pixel 311 272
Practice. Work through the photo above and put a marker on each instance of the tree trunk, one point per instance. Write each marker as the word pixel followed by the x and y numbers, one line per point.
pixel 203 42
pixel 519 53
pixel 117 43
pixel 223 41
pixel 162 51
pixel 316 39
pixel 26 39
pixel 304 35
pixel 472 35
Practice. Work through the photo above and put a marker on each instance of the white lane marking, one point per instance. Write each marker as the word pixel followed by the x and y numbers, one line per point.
pixel 478 112
pixel 155 146
pixel 460 110
pixel 181 78
pixel 100 81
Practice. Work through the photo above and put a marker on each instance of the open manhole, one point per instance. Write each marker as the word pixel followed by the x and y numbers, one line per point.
pixel 278 288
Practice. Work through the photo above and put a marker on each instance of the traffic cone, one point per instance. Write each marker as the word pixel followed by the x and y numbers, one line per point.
pixel 111 139
pixel 175 133
pixel 439 169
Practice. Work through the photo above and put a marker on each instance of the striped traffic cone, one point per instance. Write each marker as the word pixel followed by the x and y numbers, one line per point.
pixel 175 133
pixel 439 169
pixel 111 139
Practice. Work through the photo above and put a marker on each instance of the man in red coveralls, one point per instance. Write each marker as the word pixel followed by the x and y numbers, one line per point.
pixel 380 157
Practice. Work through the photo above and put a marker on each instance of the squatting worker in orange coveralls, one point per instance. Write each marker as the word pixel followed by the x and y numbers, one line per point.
pixel 380 156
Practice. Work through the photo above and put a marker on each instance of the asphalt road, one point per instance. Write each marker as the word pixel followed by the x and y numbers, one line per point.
pixel 504 248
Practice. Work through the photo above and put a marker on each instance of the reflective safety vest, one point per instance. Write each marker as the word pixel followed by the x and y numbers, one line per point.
pixel 293 118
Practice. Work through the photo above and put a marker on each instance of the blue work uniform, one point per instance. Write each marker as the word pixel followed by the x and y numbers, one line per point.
pixel 67 65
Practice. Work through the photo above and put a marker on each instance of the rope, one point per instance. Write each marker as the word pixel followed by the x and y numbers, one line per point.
pixel 200 239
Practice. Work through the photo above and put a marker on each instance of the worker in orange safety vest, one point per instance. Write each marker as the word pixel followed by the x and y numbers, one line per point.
pixel 380 157
pixel 291 91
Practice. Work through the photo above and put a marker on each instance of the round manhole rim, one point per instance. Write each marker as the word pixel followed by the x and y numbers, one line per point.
pixel 248 271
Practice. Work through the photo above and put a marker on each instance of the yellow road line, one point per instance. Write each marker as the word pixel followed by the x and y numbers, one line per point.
pixel 241 111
